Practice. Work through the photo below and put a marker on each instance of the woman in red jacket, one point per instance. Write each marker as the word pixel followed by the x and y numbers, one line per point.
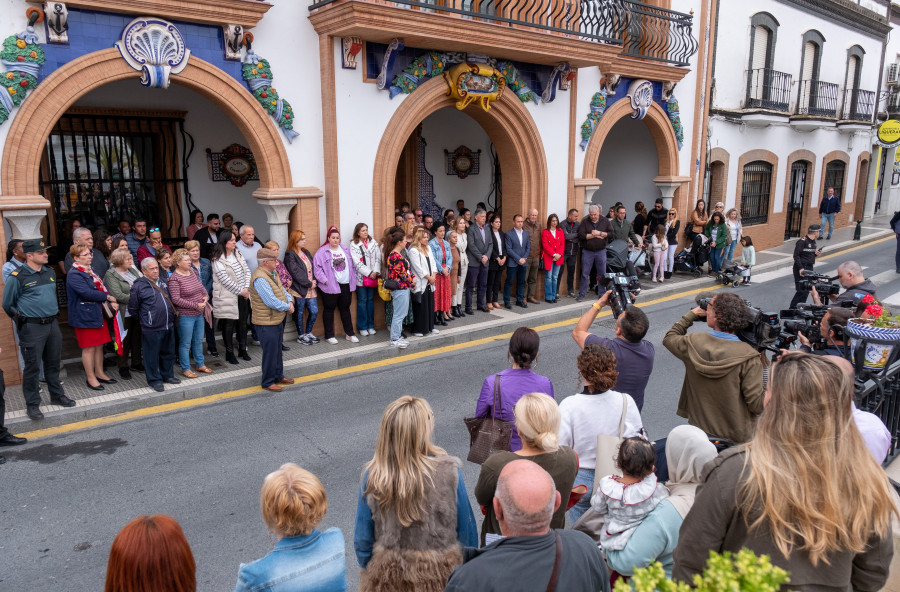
pixel 553 244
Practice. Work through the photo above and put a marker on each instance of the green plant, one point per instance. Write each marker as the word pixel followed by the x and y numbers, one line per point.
pixel 741 572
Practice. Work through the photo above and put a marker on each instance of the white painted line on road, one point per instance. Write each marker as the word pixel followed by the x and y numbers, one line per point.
pixel 892 300
pixel 884 277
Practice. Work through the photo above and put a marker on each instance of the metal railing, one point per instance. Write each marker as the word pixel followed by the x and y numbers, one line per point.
pixel 879 393
pixel 859 105
pixel 768 89
pixel 817 98
pixel 644 30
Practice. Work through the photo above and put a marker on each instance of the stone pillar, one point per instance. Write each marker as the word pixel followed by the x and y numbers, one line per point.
pixel 584 193
pixel 876 172
pixel 667 186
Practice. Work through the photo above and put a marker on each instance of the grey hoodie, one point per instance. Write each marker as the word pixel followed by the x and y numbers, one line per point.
pixel 856 293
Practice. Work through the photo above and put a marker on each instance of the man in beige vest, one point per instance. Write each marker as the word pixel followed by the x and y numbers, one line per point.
pixel 270 301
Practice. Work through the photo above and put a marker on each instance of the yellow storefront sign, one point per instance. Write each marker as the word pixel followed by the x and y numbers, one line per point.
pixel 889 133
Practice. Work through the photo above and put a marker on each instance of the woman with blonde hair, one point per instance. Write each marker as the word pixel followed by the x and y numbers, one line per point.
pixel 537 423
pixel 805 490
pixel 118 279
pixel 298 261
pixel 425 270
pixel 673 225
pixel 304 559
pixel 415 494
pixel 462 243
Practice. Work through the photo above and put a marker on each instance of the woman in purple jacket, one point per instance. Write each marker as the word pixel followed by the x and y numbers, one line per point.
pixel 515 382
pixel 336 279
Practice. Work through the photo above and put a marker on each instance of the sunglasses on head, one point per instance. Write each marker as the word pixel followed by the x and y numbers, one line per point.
pixel 153 230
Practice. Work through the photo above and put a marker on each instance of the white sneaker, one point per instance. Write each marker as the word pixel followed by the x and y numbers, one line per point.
pixel 404 342
pixel 399 343
pixel 371 331
pixel 332 340
pixel 363 332
pixel 435 331
pixel 418 335
pixel 352 338
pixel 301 341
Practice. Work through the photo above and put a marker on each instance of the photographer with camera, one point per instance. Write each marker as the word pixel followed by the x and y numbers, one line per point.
pixel 634 354
pixel 723 382
pixel 832 331
pixel 856 287
pixel 805 253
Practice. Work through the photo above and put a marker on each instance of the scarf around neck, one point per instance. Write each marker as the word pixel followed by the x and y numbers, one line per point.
pixel 98 283
pixel 688 449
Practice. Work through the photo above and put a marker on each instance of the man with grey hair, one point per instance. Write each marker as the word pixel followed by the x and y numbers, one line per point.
pixel 856 287
pixel 593 233
pixel 534 264
pixel 248 246
pixel 83 236
pixel 478 249
pixel 531 556
pixel 150 304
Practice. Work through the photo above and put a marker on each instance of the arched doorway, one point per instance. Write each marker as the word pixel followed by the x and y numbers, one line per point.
pixel 627 166
pixel 509 127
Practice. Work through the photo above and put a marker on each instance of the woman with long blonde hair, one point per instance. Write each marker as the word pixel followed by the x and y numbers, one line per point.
pixel 415 494
pixel 673 225
pixel 805 490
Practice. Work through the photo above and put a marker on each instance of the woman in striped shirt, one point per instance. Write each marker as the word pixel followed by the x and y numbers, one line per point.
pixel 231 294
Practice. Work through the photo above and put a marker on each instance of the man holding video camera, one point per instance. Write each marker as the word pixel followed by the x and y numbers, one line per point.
pixel 805 253
pixel 723 390
pixel 634 354
pixel 831 328
pixel 856 287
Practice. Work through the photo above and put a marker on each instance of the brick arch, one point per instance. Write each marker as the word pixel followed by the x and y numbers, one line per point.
pixel 863 162
pixel 719 160
pixel 509 126
pixel 772 232
pixel 830 157
pixel 809 157
pixel 35 119
pixel 656 121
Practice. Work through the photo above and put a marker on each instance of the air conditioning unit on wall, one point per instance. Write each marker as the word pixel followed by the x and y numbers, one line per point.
pixel 893 76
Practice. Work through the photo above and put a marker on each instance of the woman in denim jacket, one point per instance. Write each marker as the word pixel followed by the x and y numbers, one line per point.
pixel 304 559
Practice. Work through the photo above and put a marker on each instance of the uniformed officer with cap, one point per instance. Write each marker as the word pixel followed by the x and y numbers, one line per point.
pixel 805 253
pixel 30 300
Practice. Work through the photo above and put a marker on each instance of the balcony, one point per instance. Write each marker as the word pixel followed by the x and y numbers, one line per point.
pixel 622 36
pixel 859 105
pixel 817 98
pixel 768 97
pixel 247 13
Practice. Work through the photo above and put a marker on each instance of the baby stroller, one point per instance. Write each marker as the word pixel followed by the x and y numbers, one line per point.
pixel 620 260
pixel 731 273
pixel 693 258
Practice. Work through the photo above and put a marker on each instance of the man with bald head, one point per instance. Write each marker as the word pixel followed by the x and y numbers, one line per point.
pixel 531 557
pixel 534 262
pixel 856 287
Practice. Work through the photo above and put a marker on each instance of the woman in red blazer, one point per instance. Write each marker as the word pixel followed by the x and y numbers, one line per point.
pixel 553 244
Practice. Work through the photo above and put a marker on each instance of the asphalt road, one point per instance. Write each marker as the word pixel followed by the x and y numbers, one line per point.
pixel 64 498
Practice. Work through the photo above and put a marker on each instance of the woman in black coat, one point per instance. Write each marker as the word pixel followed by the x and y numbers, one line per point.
pixel 298 262
pixel 673 225
pixel 497 263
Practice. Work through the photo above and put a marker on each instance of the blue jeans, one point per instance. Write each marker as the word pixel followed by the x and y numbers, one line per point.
pixel 159 355
pixel 715 258
pixel 729 252
pixel 551 280
pixel 311 305
pixel 830 219
pixel 190 336
pixel 588 260
pixel 583 477
pixel 515 274
pixel 400 300
pixel 365 308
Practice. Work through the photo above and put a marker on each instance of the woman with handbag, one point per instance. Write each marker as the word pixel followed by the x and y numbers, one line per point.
pixel 422 295
pixel 537 424
pixel 231 294
pixel 367 258
pixel 462 243
pixel 414 492
pixel 699 218
pixel 90 305
pixel 443 258
pixel 118 280
pixel 190 299
pixel 336 279
pixel 595 411
pixel 298 262
pixel 399 281
pixel 514 383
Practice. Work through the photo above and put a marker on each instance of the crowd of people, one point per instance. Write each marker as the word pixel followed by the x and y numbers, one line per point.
pixel 800 452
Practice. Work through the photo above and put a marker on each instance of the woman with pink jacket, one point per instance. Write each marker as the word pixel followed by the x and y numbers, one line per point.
pixel 336 280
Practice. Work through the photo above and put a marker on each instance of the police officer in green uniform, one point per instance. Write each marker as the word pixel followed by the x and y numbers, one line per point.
pixel 30 300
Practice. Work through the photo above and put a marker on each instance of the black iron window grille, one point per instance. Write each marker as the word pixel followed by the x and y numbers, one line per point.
pixel 768 89
pixel 98 169
pixel 796 198
pixel 817 98
pixel 859 105
pixel 755 193
pixel 834 176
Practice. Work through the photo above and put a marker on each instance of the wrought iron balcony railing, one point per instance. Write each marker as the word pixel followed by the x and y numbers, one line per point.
pixel 817 98
pixel 645 31
pixel 859 105
pixel 768 89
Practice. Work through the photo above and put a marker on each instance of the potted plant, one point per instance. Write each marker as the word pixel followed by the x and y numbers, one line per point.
pixel 877 331
pixel 740 572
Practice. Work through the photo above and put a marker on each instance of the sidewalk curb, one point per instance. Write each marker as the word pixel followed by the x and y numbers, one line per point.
pixel 373 352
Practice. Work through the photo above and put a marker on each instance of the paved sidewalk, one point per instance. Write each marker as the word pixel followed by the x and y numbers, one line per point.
pixel 300 361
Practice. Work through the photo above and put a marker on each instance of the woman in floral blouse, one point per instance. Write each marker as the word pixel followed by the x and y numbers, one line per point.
pixel 398 271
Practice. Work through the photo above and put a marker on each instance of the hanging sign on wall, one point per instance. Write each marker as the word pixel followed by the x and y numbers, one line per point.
pixel 234 164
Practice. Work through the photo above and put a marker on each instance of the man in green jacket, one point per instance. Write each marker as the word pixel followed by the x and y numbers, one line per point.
pixel 722 392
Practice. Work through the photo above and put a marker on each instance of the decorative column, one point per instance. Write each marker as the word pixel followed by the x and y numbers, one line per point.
pixel 278 202
pixel 667 186
pixel 24 215
pixel 584 192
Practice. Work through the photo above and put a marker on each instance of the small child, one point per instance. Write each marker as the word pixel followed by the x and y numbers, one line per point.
pixel 659 246
pixel 748 258
pixel 625 501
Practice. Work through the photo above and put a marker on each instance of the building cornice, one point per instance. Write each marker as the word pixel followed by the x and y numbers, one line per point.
pixel 846 13
pixel 246 13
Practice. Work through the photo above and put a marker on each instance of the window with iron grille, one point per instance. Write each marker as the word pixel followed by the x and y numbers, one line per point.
pixel 103 166
pixel 834 177
pixel 755 192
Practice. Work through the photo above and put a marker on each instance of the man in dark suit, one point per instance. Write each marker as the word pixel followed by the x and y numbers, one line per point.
pixel 518 246
pixel 479 251
pixel 209 236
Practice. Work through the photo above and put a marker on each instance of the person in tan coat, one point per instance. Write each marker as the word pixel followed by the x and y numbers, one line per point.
pixel 722 392
pixel 270 302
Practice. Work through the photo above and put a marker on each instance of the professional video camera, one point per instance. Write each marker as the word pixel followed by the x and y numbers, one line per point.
pixel 823 284
pixel 624 290
pixel 763 330
pixel 805 319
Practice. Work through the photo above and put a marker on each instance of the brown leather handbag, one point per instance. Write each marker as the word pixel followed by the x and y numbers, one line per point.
pixel 488 434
